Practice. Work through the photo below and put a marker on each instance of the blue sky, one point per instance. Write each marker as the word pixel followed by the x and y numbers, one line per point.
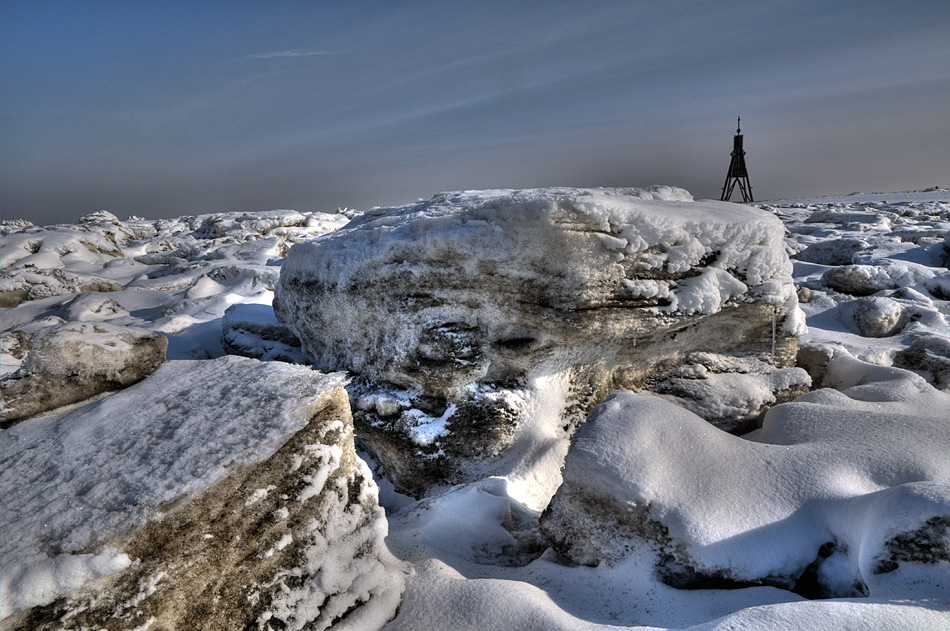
pixel 171 108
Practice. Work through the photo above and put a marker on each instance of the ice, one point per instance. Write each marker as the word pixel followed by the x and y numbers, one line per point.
pixel 473 294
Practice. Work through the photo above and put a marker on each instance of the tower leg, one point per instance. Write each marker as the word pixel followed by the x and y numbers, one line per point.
pixel 745 187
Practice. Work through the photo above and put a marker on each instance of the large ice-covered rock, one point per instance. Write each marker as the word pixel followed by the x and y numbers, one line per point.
pixel 72 362
pixel 215 494
pixel 837 492
pixel 463 301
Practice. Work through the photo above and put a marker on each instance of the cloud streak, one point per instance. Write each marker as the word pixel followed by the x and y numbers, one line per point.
pixel 292 53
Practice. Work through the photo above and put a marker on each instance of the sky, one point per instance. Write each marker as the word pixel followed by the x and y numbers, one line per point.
pixel 161 109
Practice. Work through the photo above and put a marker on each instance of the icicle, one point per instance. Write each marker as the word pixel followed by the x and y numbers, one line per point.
pixel 772 367
pixel 774 313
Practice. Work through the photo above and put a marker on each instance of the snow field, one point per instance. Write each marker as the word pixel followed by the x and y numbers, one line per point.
pixel 859 462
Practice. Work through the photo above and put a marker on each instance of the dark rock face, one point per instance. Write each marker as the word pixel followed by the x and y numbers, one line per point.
pixel 462 305
pixel 928 544
pixel 75 361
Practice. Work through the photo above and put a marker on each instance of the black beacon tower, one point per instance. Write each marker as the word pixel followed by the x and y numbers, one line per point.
pixel 737 171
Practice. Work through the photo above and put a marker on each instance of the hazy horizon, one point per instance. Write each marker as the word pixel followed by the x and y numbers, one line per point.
pixel 169 109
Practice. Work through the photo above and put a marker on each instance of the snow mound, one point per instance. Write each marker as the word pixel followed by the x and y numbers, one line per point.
pixel 842 481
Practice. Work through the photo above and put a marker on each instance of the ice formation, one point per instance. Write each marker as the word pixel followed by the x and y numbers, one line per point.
pixel 463 302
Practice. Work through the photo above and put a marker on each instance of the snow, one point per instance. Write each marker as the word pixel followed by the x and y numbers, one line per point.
pixel 173 276
pixel 424 429
pixel 763 508
pixel 858 461
pixel 831 480
pixel 461 299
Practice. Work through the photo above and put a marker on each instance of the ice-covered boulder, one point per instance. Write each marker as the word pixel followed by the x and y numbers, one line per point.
pixel 19 284
pixel 841 493
pixel 833 251
pixel 875 316
pixel 72 362
pixel 215 494
pixel 929 354
pixel 92 306
pixel 858 280
pixel 730 392
pixel 855 220
pixel 461 303
pixel 41 262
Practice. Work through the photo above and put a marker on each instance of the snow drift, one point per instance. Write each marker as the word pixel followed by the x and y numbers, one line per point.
pixel 833 480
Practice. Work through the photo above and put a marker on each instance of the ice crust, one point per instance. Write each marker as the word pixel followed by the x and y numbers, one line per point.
pixel 658 230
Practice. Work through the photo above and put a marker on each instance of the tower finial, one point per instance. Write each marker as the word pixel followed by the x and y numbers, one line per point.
pixel 738 126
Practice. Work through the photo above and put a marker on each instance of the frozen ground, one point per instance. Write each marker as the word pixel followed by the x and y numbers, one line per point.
pixel 871 272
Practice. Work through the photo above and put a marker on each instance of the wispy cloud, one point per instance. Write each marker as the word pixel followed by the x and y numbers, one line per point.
pixel 292 53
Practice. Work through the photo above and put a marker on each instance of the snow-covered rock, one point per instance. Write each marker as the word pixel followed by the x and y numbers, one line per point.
pixel 215 494
pixel 832 252
pixel 876 317
pixel 841 493
pixel 75 361
pixel 730 392
pixel 477 558
pixel 102 253
pixel 462 301
pixel 32 284
pixel 858 280
pixel 929 354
